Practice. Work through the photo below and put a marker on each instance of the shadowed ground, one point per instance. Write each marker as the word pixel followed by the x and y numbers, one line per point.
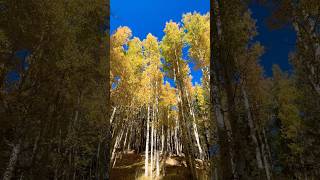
pixel 131 166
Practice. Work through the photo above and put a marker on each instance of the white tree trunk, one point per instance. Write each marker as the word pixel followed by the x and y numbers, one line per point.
pixel 129 140
pixel 252 129
pixel 125 139
pixel 196 134
pixel 266 163
pixel 176 138
pixel 158 165
pixel 118 140
pixel 195 129
pixel 162 139
pixel 12 162
pixel 168 140
pixel 155 149
pixel 152 142
pixel 147 146
pixel 112 115
pixel 157 154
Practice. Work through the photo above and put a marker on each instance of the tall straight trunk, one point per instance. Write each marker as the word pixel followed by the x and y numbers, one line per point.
pixel 268 151
pixel 264 152
pixel 261 155
pixel 186 140
pixel 162 139
pixel 158 164
pixel 142 135
pixel 173 143
pixel 147 145
pixel 7 175
pixel 184 117
pixel 252 128
pixel 169 143
pixel 113 113
pixel 175 138
pixel 195 129
pixel 196 134
pixel 152 142
pixel 224 158
pixel 154 148
pixel 165 148
pixel 157 154
pixel 129 138
pixel 125 139
pixel 104 55
pixel 113 155
pixel 176 142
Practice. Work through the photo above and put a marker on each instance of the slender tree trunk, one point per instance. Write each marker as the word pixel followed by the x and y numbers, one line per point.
pixel 7 175
pixel 186 139
pixel 162 139
pixel 113 155
pixel 157 156
pixel 252 128
pixel 264 152
pixel 224 162
pixel 152 142
pixel 196 134
pixel 268 151
pixel 147 145
pixel 129 138
pixel 182 103
pixel 125 139
pixel 176 138
pixel 154 149
pixel 165 148
pixel 113 113
pixel 195 130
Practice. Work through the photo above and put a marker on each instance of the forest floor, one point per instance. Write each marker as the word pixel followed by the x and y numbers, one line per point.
pixel 131 167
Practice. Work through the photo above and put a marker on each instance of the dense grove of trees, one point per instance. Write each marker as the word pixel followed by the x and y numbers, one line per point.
pixel 74 99
pixel 267 127
pixel 149 114
pixel 54 89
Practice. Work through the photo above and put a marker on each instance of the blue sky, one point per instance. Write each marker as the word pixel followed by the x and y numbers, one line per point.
pixel 150 16
pixel 278 43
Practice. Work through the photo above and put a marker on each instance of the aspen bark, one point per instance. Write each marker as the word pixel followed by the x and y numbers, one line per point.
pixel 225 164
pixel 157 156
pixel 252 128
pixel 176 138
pixel 12 162
pixel 162 140
pixel 147 145
pixel 264 151
pixel 125 139
pixel 195 130
pixel 196 134
pixel 152 141
pixel 113 113
pixel 113 155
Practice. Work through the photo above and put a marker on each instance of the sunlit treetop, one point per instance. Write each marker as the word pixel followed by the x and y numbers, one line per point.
pixel 121 36
pixel 118 40
pixel 197 28
pixel 171 48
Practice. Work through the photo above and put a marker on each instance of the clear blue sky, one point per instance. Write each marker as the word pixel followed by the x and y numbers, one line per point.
pixel 278 43
pixel 150 16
